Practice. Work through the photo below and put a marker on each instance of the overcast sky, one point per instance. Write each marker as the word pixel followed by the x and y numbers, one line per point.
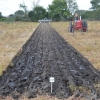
pixel 8 7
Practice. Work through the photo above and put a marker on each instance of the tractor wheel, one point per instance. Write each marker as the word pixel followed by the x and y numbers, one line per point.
pixel 84 24
pixel 70 27
pixel 72 30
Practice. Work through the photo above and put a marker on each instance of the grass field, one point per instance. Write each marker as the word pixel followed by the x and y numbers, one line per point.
pixel 14 35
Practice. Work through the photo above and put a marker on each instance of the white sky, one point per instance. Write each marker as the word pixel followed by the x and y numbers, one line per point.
pixel 8 7
pixel 84 4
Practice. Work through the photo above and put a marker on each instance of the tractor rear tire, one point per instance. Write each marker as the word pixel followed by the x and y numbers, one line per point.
pixel 72 30
pixel 70 27
pixel 84 24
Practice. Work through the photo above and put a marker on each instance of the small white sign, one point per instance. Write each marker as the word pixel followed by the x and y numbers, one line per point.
pixel 51 79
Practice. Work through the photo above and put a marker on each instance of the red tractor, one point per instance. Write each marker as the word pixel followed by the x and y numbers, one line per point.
pixel 78 25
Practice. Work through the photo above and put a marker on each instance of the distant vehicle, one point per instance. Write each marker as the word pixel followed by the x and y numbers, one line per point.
pixel 78 25
pixel 45 20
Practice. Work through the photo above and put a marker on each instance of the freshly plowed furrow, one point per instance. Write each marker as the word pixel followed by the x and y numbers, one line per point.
pixel 44 55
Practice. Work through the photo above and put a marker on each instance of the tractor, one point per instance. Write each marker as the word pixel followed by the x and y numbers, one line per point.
pixel 78 25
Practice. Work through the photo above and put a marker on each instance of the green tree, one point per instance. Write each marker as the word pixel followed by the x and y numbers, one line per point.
pixel 24 7
pixel 58 10
pixel 96 8
pixel 37 13
pixel 95 4
pixel 19 15
pixel 2 18
pixel 0 15
pixel 11 18
pixel 72 6
pixel 90 15
pixel 31 15
pixel 35 3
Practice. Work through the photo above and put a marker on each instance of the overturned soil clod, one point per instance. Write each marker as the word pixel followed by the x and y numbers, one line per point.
pixel 44 55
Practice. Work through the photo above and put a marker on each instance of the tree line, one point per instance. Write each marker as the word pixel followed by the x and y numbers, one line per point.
pixel 93 13
pixel 59 10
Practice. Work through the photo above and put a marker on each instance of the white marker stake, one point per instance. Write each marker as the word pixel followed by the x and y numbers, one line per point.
pixel 51 87
pixel 51 80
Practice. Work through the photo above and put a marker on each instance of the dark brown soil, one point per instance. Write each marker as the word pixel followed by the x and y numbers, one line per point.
pixel 44 55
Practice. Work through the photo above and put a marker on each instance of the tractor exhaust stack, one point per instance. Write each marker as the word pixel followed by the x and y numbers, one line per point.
pixel 80 18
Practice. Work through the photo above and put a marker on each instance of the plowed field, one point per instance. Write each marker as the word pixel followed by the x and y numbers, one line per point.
pixel 44 55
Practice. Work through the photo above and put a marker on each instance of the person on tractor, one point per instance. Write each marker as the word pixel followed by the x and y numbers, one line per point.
pixel 76 17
